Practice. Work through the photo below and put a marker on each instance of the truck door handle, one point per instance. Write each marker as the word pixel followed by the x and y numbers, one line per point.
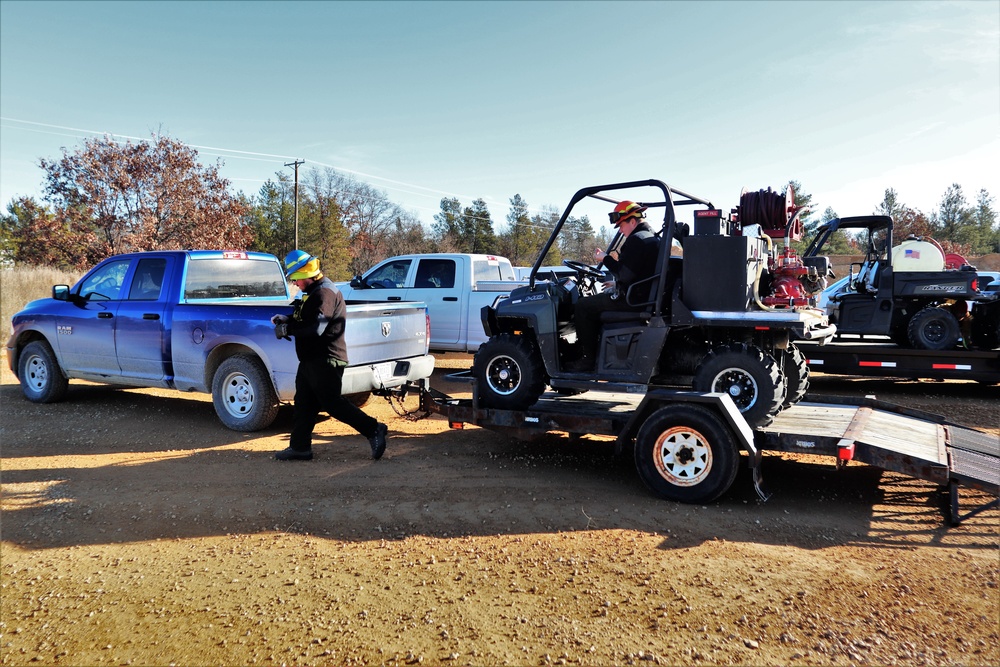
pixel 450 298
pixel 105 315
pixel 150 316
pixel 395 298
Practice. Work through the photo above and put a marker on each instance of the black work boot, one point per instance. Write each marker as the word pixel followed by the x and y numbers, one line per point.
pixel 377 441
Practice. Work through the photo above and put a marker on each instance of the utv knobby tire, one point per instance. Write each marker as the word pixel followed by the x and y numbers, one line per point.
pixel 749 376
pixel 509 373
pixel 686 453
pixel 42 381
pixel 242 394
pixel 934 328
pixel 795 368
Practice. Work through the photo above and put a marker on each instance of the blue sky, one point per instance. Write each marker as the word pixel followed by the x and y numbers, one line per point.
pixel 491 99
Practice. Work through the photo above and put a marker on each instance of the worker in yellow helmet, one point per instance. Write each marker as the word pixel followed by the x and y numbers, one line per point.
pixel 317 325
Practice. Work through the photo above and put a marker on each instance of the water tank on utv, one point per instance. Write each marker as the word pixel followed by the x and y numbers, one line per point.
pixel 914 255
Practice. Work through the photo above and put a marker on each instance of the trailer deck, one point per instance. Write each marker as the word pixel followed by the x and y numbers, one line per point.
pixel 895 438
pixel 878 358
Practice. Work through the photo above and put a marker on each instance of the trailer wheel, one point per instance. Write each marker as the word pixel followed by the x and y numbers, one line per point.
pixel 686 453
pixel 795 368
pixel 41 379
pixel 750 377
pixel 934 328
pixel 509 372
pixel 242 394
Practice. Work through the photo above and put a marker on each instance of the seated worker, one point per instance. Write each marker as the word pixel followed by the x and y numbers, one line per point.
pixel 634 261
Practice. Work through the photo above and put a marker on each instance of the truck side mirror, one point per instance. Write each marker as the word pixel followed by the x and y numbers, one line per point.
pixel 60 292
pixel 357 282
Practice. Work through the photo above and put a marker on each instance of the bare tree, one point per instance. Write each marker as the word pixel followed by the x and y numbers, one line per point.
pixel 144 196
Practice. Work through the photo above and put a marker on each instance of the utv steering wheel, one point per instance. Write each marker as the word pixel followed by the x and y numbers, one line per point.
pixel 583 269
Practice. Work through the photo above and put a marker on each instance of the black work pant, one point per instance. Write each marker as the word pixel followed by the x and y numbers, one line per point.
pixel 588 319
pixel 317 388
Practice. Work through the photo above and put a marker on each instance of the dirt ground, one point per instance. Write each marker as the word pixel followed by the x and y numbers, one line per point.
pixel 137 530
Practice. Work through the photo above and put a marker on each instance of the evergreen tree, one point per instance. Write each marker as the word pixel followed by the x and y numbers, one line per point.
pixel 985 219
pixel 476 229
pixel 447 224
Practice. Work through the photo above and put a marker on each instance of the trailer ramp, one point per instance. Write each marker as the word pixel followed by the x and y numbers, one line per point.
pixel 912 442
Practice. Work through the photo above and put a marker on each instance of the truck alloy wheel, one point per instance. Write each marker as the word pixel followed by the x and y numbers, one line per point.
pixel 509 373
pixel 686 453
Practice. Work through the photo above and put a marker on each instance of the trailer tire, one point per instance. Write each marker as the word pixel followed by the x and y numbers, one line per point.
pixel 934 328
pixel 750 377
pixel 509 372
pixel 242 394
pixel 795 368
pixel 686 453
pixel 42 381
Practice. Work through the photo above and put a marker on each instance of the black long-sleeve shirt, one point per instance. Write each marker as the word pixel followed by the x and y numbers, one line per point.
pixel 318 324
pixel 636 261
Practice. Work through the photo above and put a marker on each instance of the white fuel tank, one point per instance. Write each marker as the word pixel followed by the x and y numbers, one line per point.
pixel 914 255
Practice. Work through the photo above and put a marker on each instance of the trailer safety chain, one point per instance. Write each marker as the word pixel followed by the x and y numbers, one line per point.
pixel 396 401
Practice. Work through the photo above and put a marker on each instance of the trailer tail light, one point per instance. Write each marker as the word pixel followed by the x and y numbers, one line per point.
pixel 845 452
pixel 457 425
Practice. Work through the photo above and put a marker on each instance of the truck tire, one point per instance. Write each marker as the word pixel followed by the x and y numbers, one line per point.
pixel 243 395
pixel 360 399
pixel 750 377
pixel 509 373
pixel 42 381
pixel 686 453
pixel 934 328
pixel 795 368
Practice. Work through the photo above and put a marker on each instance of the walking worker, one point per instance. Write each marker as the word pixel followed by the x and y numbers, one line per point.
pixel 317 325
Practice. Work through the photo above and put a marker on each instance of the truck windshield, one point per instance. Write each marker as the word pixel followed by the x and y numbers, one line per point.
pixel 220 278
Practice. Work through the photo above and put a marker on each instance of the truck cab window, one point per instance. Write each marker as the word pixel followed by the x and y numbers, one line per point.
pixel 435 273
pixel 105 283
pixel 148 279
pixel 389 276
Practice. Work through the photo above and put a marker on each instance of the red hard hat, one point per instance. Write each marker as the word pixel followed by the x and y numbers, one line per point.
pixel 626 210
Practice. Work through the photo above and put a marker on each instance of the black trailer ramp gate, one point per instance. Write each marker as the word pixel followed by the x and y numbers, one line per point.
pixel 891 437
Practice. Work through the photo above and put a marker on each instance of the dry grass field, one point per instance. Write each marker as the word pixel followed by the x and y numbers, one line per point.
pixel 20 285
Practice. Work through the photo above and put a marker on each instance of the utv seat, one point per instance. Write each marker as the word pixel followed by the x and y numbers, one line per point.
pixel 644 312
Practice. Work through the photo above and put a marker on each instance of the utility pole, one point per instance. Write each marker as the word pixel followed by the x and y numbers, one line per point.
pixel 296 165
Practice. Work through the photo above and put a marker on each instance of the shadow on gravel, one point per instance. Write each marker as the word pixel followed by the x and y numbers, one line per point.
pixel 461 483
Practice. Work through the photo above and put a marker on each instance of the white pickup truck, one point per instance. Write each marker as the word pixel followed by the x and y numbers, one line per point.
pixel 454 286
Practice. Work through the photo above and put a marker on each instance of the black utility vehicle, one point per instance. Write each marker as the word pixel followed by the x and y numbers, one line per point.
pixel 704 324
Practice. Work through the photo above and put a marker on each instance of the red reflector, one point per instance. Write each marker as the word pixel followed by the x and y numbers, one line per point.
pixel 458 425
pixel 762 328
pixel 846 452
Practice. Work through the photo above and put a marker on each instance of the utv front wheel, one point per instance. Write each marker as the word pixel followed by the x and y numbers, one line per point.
pixel 509 373
pixel 795 368
pixel 750 377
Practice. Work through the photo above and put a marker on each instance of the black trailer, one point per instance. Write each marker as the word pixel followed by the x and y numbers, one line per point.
pixel 880 358
pixel 687 445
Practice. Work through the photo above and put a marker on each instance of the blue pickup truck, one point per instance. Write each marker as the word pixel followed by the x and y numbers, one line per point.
pixel 199 320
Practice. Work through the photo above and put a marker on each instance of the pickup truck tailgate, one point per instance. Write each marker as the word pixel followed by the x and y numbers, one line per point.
pixel 380 331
